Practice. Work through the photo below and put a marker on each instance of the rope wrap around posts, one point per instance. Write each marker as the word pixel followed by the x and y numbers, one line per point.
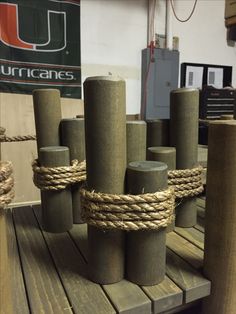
pixel 17 138
pixel 187 182
pixel 58 178
pixel 149 211
pixel 6 183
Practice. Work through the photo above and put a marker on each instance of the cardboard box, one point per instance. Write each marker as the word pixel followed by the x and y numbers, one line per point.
pixel 230 8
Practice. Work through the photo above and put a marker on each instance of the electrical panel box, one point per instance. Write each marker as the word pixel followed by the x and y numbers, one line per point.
pixel 160 72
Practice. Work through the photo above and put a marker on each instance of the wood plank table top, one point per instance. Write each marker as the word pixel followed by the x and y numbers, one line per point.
pixel 49 272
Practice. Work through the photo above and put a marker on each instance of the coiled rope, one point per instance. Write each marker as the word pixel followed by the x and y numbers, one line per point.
pixel 6 183
pixel 150 211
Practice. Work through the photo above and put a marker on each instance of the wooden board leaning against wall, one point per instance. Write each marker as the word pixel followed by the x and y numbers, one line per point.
pixel 17 116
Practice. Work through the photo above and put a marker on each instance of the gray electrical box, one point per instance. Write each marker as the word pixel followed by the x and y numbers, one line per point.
pixel 162 78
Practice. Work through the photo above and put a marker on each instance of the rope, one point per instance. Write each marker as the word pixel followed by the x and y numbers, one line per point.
pixel 187 182
pixel 190 15
pixel 58 178
pixel 149 211
pixel 18 138
pixel 6 183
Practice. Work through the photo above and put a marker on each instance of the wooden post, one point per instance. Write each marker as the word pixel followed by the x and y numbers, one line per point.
pixel 168 156
pixel 145 250
pixel 220 219
pixel 72 136
pixel 136 140
pixel 184 111
pixel 105 131
pixel 157 132
pixel 56 205
pixel 163 154
pixel 47 114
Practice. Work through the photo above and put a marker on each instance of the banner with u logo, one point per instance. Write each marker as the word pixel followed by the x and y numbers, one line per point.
pixel 40 46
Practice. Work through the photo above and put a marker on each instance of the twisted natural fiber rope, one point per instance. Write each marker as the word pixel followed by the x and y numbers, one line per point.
pixel 18 138
pixel 6 183
pixel 187 182
pixel 58 178
pixel 128 212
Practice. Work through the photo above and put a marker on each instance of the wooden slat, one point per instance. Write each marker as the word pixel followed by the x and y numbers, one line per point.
pixel 84 295
pixel 194 285
pixel 185 249
pixel 136 302
pixel 164 296
pixel 192 235
pixel 5 284
pixel 200 224
pixel 19 298
pixel 201 212
pixel 45 291
pixel 128 298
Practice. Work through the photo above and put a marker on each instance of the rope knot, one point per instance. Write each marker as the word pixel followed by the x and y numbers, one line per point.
pixel 58 178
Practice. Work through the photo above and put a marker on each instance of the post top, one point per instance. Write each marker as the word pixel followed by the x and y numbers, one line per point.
pixel 147 165
pixel 113 78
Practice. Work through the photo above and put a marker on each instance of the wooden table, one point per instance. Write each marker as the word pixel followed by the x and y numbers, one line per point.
pixel 49 272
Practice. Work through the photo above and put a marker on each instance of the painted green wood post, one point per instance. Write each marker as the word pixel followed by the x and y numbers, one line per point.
pixel 136 140
pixel 56 205
pixel 72 136
pixel 184 111
pixel 47 114
pixel 157 132
pixel 146 250
pixel 168 156
pixel 220 219
pixel 105 131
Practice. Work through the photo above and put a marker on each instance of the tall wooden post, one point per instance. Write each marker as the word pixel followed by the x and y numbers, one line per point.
pixel 136 140
pixel 184 111
pixel 145 250
pixel 168 156
pixel 47 115
pixel 72 136
pixel 56 205
pixel 105 131
pixel 220 219
pixel 157 132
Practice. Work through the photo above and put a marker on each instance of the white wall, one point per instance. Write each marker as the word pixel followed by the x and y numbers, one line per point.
pixel 115 31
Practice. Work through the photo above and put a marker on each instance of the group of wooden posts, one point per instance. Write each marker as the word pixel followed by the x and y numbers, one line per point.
pixel 131 157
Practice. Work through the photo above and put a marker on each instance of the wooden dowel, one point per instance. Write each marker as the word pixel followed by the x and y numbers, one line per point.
pixel 157 132
pixel 105 131
pixel 57 215
pixel 145 250
pixel 168 156
pixel 184 111
pixel 136 140
pixel 72 136
pixel 47 114
pixel 227 117
pixel 220 219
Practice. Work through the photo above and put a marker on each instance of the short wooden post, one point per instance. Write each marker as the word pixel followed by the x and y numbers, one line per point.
pixel 157 132
pixel 220 219
pixel 105 131
pixel 168 156
pixel 56 205
pixel 72 136
pixel 47 115
pixel 145 250
pixel 136 140
pixel 184 111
